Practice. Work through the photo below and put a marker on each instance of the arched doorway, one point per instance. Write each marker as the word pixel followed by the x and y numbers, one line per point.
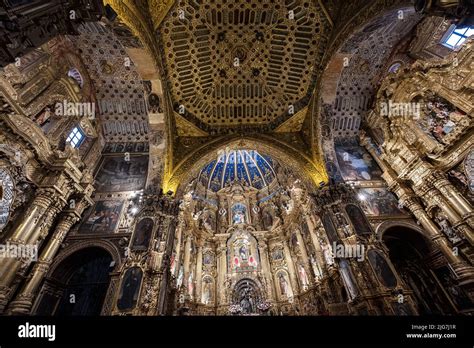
pixel 424 271
pixel 78 285
pixel 247 297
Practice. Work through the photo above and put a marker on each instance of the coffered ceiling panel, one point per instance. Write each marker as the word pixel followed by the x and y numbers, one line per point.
pixel 242 63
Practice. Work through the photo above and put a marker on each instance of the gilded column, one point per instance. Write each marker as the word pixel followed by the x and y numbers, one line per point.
pixel 432 230
pixel 199 274
pixel 177 256
pixel 453 217
pixel 221 270
pixel 37 219
pixel 317 246
pixel 187 257
pixel 304 253
pixel 24 301
pixel 291 267
pixel 457 200
pixel 265 263
pixel 32 218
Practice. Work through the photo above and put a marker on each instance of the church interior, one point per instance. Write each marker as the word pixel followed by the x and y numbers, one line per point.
pixel 236 158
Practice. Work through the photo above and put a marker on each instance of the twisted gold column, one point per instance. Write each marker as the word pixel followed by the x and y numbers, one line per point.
pixel 24 301
pixel 36 220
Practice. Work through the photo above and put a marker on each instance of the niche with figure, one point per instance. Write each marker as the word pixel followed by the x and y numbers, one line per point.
pixel 130 289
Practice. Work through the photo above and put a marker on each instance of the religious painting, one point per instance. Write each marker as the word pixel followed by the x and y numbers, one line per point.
pixel 130 289
pixel 142 235
pixel 440 118
pixel 382 269
pixel 330 229
pixel 378 201
pixel 122 173
pixel 358 219
pixel 356 164
pixel 239 213
pixel 208 258
pixel 102 218
pixel 277 253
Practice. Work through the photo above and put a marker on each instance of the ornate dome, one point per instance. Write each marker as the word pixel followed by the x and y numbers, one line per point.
pixel 245 166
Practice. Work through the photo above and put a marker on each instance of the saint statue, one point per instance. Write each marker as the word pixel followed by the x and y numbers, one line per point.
pixel 303 276
pixel 328 256
pixel 283 285
pixel 179 280
pixel 206 292
pixel 190 284
pixel 243 253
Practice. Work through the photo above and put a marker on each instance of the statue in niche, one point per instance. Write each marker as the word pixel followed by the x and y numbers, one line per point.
pixel 267 219
pixel 348 278
pixel 303 276
pixel 243 252
pixel 296 192
pixel 207 291
pixel 208 220
pixel 222 219
pixel 284 287
pixel 316 269
pixel 256 216
pixel 328 255
pixel 130 290
pixel 247 302
pixel 173 263
pixel 179 280
pixel 447 229
pixel 191 284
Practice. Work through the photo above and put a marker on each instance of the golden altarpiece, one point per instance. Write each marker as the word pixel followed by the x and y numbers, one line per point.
pixel 357 200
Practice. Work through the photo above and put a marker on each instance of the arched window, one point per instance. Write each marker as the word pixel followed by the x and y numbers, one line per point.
pixel 455 36
pixel 76 137
pixel 76 75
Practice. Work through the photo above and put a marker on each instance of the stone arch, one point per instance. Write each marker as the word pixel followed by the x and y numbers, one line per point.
pixel 386 225
pixel 82 274
pixel 103 244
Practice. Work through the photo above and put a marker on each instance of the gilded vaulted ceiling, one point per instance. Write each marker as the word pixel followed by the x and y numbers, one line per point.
pixel 230 63
pixel 250 69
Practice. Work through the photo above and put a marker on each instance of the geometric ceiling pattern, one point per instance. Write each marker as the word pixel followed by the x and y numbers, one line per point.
pixel 231 64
